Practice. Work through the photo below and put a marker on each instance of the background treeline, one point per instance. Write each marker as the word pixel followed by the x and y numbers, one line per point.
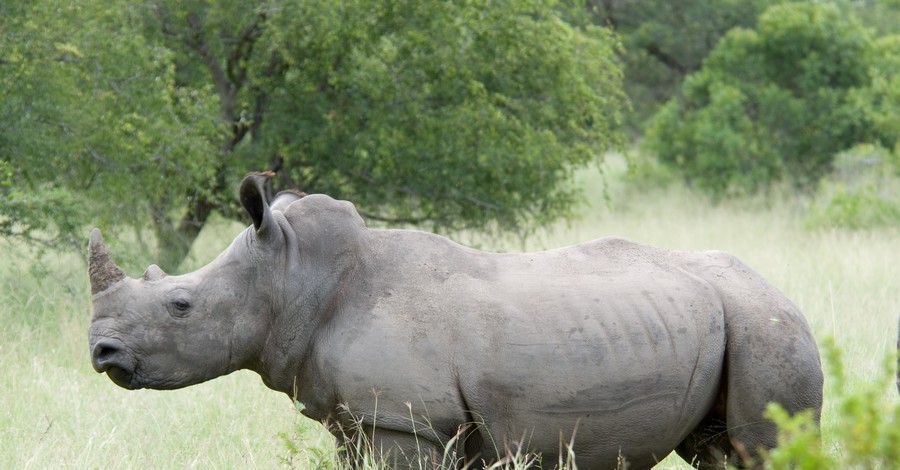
pixel 449 115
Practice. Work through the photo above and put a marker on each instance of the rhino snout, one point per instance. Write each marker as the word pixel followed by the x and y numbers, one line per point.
pixel 109 355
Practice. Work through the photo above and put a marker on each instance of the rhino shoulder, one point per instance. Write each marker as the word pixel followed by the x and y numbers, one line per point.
pixel 285 198
pixel 324 211
pixel 326 228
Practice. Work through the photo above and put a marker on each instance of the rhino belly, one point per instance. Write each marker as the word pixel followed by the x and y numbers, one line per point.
pixel 634 373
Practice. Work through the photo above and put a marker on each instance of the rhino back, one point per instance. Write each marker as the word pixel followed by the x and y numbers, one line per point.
pixel 607 334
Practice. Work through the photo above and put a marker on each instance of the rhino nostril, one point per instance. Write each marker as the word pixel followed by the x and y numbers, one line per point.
pixel 106 354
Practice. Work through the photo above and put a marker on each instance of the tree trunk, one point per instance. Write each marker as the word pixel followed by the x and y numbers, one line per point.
pixel 174 243
pixel 229 76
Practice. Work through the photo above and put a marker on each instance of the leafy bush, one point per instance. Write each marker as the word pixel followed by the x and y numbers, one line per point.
pixel 663 41
pixel 866 434
pixel 44 215
pixel 862 191
pixel 879 100
pixel 779 101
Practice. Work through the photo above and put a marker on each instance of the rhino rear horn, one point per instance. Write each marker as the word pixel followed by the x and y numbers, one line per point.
pixel 153 273
pixel 254 195
pixel 102 271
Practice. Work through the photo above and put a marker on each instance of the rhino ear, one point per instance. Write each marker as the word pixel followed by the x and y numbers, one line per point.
pixel 254 197
pixel 153 273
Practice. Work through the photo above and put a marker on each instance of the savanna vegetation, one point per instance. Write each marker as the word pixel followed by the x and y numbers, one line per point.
pixel 146 115
pixel 56 411
pixel 765 128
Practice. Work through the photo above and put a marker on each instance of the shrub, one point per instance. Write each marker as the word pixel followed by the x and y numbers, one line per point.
pixel 863 190
pixel 865 434
pixel 779 101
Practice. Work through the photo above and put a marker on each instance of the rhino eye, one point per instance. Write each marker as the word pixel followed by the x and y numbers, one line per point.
pixel 180 306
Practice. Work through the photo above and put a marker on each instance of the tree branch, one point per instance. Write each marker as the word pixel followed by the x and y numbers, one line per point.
pixel 609 6
pixel 235 64
pixel 229 76
pixel 400 189
pixel 275 67
pixel 196 40
pixel 669 61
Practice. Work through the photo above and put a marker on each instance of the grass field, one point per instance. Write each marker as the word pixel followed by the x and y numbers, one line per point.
pixel 55 411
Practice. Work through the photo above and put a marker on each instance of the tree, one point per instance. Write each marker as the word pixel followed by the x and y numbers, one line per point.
pixel 92 125
pixel 881 15
pixel 666 40
pixel 449 114
pixel 774 102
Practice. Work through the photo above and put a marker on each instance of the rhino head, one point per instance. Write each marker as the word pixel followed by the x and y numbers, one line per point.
pixel 166 332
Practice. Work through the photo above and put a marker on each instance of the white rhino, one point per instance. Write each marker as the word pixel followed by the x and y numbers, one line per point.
pixel 433 350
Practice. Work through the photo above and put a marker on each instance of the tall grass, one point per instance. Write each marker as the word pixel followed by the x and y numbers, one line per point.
pixel 55 411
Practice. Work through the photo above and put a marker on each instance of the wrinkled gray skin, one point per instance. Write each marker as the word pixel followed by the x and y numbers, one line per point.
pixel 615 346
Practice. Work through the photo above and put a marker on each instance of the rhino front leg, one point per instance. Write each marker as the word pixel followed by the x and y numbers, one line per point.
pixel 395 449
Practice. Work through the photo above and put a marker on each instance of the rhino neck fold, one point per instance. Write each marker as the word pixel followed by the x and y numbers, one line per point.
pixel 327 258
pixel 288 359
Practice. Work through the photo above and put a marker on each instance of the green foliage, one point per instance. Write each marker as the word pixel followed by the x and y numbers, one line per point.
pixel 859 208
pixel 799 442
pixel 92 126
pixel 863 191
pixel 452 114
pixel 664 41
pixel 879 100
pixel 866 430
pixel 777 102
pixel 456 115
pixel 882 15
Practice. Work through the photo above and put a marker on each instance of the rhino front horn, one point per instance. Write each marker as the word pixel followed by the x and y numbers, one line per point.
pixel 102 270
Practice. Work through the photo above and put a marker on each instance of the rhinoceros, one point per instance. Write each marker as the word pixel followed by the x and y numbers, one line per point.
pixel 434 352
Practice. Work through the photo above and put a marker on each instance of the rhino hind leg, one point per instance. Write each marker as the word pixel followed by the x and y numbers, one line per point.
pixel 770 356
pixel 708 446
pixel 711 445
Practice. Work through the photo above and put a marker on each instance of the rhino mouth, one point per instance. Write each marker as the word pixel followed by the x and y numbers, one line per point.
pixel 110 356
pixel 121 377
